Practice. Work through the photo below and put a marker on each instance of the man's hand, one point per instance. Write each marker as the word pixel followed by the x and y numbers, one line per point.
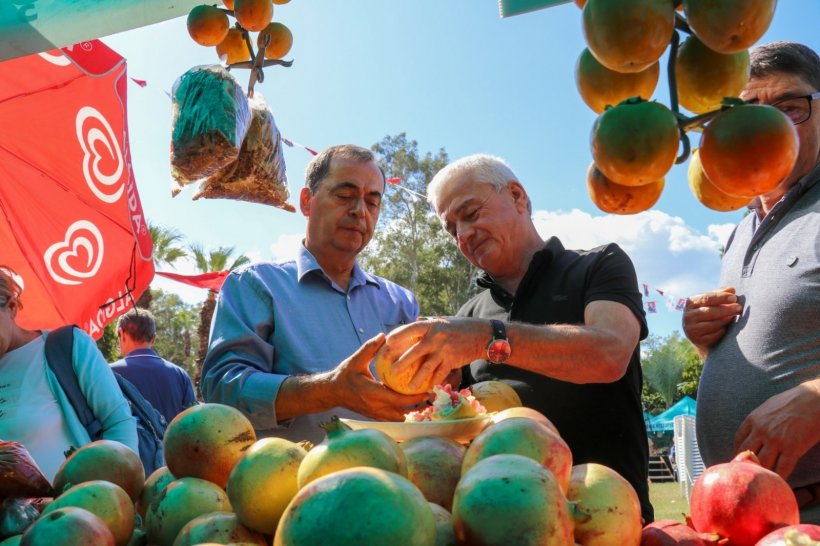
pixel 355 388
pixel 783 428
pixel 438 347
pixel 706 317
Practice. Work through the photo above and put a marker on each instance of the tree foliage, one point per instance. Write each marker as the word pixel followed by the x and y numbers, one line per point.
pixel 671 370
pixel 177 323
pixel 410 247
pixel 219 259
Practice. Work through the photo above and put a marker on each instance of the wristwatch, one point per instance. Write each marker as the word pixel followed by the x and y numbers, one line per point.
pixel 499 350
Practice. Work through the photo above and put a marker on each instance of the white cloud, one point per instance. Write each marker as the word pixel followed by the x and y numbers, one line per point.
pixel 668 254
pixel 286 246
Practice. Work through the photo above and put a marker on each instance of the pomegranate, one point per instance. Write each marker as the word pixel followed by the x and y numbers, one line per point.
pixel 154 484
pixel 525 412
pixel 495 395
pixel 669 532
pixel 523 436
pixel 68 526
pixel 106 500
pixel 205 441
pixel 263 482
pixel 742 501
pixel 103 460
pixel 608 506
pixel 793 535
pixel 180 502
pixel 344 448
pixel 511 499
pixel 218 528
pixel 445 534
pixel 357 506
pixel 434 466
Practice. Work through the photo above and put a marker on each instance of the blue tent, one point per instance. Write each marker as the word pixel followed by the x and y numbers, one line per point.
pixel 665 421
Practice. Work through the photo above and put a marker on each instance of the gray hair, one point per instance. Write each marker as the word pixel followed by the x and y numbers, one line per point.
pixel 483 168
pixel 788 58
pixel 11 286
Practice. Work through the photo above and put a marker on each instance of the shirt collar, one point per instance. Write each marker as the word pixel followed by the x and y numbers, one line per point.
pixel 306 262
pixel 795 192
pixel 142 352
pixel 552 248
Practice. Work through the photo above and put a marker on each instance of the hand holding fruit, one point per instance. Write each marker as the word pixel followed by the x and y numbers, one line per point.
pixel 783 428
pixel 706 316
pixel 420 355
pixel 356 389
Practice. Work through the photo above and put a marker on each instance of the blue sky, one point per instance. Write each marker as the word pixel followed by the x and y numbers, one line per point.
pixel 451 74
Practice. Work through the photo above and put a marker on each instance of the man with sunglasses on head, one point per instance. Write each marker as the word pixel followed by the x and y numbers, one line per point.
pixel 760 335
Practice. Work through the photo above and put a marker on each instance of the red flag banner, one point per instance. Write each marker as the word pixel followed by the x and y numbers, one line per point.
pixel 211 280
pixel 71 222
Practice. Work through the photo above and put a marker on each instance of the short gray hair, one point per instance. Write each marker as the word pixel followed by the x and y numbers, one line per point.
pixel 787 58
pixel 484 168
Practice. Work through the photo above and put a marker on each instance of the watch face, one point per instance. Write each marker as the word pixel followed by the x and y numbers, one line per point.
pixel 498 351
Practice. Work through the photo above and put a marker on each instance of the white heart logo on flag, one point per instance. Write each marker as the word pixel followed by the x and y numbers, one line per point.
pixel 92 138
pixel 79 256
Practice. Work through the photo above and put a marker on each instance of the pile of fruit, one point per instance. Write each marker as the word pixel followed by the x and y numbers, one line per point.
pixel 745 150
pixel 513 484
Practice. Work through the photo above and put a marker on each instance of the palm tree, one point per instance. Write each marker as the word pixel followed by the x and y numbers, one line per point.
pixel 220 259
pixel 166 252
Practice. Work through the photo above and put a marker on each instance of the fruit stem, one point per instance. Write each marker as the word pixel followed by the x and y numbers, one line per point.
pixel 670 72
pixel 682 24
pixel 673 97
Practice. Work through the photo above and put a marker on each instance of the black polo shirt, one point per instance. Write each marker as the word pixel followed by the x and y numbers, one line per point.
pixel 601 422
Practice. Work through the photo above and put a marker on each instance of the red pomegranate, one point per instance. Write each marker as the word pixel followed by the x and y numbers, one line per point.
pixel 793 534
pixel 669 532
pixel 742 501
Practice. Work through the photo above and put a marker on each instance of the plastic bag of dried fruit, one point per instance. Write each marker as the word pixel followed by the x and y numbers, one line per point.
pixel 211 117
pixel 19 474
pixel 258 174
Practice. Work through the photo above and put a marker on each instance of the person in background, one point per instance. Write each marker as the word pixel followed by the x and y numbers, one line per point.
pixel 164 384
pixel 760 335
pixel 559 326
pixel 34 410
pixel 291 343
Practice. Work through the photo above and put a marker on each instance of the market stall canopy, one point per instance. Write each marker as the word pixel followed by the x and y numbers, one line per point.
pixel 35 26
pixel 71 222
pixel 665 421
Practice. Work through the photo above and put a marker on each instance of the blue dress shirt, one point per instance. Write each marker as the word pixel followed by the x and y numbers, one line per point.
pixel 276 320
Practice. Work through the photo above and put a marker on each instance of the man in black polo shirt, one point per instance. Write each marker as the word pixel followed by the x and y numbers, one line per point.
pixel 560 326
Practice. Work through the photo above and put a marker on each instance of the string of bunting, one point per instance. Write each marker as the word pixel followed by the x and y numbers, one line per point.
pixel 673 303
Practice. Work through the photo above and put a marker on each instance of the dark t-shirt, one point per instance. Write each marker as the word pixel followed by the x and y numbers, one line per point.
pixel 164 384
pixel 601 422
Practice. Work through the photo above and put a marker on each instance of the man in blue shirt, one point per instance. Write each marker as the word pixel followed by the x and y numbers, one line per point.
pixel 291 343
pixel 165 385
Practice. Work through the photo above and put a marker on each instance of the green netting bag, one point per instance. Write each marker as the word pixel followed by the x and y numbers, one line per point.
pixel 258 173
pixel 210 119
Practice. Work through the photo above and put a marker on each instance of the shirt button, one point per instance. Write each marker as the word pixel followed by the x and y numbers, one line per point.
pixel 361 330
